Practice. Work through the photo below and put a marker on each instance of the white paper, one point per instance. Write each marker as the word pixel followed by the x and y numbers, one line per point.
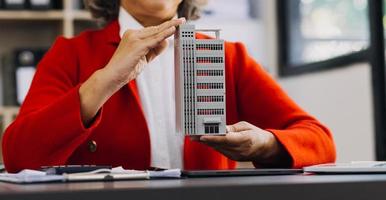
pixel 120 170
pixel 105 176
pixel 117 173
pixel 170 173
pixel 24 76
pixel 30 176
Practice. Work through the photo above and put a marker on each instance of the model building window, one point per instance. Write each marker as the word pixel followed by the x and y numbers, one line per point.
pixel 209 60
pixel 211 128
pixel 210 111
pixel 212 47
pixel 210 72
pixel 315 31
pixel 204 86
pixel 210 98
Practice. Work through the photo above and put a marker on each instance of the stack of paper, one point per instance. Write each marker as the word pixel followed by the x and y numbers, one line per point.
pixel 117 173
pixel 30 176
pixel 170 173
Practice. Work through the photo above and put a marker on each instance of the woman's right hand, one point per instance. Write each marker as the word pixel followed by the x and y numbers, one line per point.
pixel 136 49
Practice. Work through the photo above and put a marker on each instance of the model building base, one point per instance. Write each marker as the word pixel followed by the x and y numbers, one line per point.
pixel 200 82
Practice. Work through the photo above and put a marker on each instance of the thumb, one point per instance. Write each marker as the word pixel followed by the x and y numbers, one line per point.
pixel 240 126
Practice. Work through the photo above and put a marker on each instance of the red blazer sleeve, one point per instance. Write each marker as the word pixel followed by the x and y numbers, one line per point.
pixel 263 103
pixel 48 128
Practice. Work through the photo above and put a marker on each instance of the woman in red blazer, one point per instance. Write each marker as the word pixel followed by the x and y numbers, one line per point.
pixel 84 107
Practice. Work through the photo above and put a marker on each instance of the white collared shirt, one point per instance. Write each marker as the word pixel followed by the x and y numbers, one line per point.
pixel 156 90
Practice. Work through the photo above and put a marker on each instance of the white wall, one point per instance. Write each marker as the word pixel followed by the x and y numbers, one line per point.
pixel 340 98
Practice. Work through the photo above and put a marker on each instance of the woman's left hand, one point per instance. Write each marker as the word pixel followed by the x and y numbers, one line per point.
pixel 246 142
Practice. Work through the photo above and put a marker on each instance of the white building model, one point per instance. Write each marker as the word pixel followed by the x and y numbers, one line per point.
pixel 200 82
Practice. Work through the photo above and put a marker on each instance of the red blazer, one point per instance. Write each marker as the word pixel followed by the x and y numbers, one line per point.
pixel 49 130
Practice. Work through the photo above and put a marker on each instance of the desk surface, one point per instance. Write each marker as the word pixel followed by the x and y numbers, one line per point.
pixel 256 187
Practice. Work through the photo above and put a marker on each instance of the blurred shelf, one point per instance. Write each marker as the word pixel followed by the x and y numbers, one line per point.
pixel 5 110
pixel 82 15
pixel 45 15
pixel 9 107
pixel 31 15
pixel 68 21
pixel 7 115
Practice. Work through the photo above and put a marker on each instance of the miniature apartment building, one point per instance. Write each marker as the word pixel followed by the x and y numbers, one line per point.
pixel 200 82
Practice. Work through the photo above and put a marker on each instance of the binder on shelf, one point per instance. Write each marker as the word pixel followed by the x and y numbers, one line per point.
pixel 78 5
pixel 8 86
pixel 1 125
pixel 1 85
pixel 82 5
pixel 15 4
pixel 19 69
pixel 25 67
pixel 41 4
pixel 58 4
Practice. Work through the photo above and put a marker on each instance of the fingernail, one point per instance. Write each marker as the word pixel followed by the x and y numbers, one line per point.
pixel 182 19
pixel 202 139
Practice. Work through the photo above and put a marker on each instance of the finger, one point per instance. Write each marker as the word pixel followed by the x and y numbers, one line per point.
pixel 231 140
pixel 153 30
pixel 228 147
pixel 156 51
pixel 240 126
pixel 161 47
pixel 215 140
pixel 195 138
pixel 156 40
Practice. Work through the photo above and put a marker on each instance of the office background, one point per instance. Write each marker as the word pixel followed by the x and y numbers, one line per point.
pixel 318 50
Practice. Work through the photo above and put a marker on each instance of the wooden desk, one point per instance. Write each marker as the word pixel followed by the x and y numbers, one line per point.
pixel 298 187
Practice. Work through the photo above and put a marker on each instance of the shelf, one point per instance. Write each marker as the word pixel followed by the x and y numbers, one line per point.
pixel 44 15
pixel 28 28
pixel 31 15
pixel 82 15
pixel 7 115
pixel 9 109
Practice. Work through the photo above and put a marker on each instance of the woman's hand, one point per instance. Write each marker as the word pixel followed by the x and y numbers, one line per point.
pixel 136 49
pixel 246 142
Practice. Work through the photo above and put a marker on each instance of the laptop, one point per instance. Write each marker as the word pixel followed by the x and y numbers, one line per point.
pixel 239 172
